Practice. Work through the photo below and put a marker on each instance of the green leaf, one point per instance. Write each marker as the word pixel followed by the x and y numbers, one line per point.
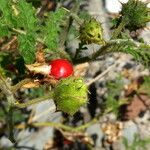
pixel 52 28
pixel 3 30
pixel 6 17
pixel 27 47
pixel 26 18
pixel 6 14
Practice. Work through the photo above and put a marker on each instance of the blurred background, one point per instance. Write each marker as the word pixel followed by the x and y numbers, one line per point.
pixel 125 126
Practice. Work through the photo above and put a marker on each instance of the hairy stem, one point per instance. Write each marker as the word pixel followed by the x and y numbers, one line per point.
pixel 6 89
pixel 65 127
pixel 34 101
pixel 139 51
pixel 69 128
pixel 76 18
pixel 117 31
pixel 10 124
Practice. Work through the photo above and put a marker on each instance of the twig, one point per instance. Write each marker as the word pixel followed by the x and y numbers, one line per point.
pixel 101 75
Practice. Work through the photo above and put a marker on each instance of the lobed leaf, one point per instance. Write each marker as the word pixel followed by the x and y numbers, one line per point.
pixel 139 51
pixel 26 17
pixel 52 28
pixel 6 17
pixel 27 47
pixel 27 20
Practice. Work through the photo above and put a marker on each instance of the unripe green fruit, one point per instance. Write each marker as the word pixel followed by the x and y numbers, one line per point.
pixel 136 14
pixel 70 94
pixel 91 32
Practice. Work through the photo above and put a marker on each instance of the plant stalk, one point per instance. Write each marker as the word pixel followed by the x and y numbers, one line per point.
pixel 34 101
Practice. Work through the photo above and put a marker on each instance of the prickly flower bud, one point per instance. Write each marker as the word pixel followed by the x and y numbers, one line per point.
pixel 70 94
pixel 135 13
pixel 91 32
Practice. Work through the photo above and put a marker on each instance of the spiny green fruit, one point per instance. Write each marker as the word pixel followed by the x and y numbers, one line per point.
pixel 91 32
pixel 70 94
pixel 136 14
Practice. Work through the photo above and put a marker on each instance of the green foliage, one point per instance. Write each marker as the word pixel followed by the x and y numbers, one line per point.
pixel 27 47
pixel 135 14
pixel 113 101
pixel 139 51
pixel 20 15
pixel 26 18
pixel 137 143
pixel 53 28
pixel 3 30
pixel 6 17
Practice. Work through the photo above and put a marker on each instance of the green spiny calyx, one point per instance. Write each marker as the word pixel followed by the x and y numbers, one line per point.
pixel 91 32
pixel 70 94
pixel 135 14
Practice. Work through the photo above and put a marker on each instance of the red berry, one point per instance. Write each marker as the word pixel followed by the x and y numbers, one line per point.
pixel 60 68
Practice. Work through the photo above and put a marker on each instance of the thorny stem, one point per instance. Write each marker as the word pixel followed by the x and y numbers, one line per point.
pixel 10 124
pixel 118 30
pixel 69 128
pixel 8 91
pixel 76 18
pixel 119 45
pixel 65 127
pixel 69 21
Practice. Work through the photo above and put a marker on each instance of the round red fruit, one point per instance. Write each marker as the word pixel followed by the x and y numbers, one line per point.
pixel 61 68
